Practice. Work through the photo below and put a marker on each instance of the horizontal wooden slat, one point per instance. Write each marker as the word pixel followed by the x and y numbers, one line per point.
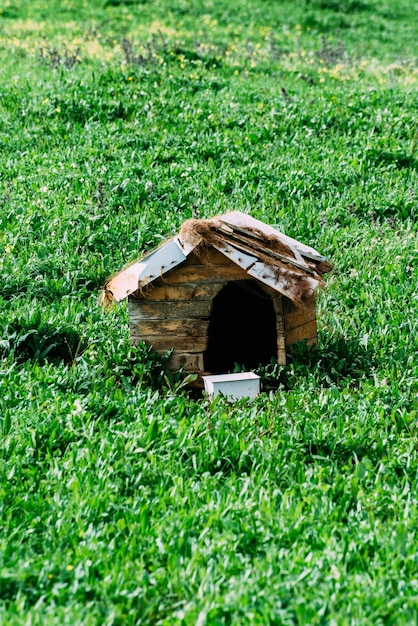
pixel 298 317
pixel 187 291
pixel 161 343
pixel 207 273
pixel 176 328
pixel 190 362
pixel 151 310
pixel 305 331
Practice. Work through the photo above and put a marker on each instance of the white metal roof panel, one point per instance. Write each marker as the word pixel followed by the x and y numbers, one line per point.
pixel 239 257
pixel 282 281
pixel 140 274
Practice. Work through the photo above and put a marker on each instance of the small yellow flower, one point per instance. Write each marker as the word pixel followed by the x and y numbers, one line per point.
pixel 69 568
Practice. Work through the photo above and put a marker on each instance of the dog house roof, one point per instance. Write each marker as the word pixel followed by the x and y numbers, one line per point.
pixel 267 255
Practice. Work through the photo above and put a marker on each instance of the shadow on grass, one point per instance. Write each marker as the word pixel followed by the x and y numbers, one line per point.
pixel 349 6
pixel 399 159
pixel 341 361
pixel 342 453
pixel 33 339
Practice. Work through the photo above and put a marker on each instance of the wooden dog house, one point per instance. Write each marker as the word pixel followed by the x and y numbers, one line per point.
pixel 225 290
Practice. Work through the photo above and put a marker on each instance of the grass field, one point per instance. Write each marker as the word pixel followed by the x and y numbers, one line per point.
pixel 123 500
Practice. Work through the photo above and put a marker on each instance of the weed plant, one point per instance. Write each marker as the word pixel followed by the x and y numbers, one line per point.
pixel 124 499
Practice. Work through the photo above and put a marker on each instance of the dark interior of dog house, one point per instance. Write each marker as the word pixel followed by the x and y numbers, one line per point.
pixel 242 328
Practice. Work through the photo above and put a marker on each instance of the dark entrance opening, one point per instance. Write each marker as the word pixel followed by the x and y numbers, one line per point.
pixel 242 328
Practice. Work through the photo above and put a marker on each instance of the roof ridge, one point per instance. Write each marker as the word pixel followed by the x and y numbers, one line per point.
pixel 233 234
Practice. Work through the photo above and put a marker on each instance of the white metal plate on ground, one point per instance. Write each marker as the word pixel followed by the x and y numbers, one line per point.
pixel 233 386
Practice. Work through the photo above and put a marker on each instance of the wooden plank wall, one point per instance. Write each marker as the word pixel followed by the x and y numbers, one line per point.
pixel 299 323
pixel 174 311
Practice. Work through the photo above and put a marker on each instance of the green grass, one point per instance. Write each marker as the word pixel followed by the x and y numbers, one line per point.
pixel 124 500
